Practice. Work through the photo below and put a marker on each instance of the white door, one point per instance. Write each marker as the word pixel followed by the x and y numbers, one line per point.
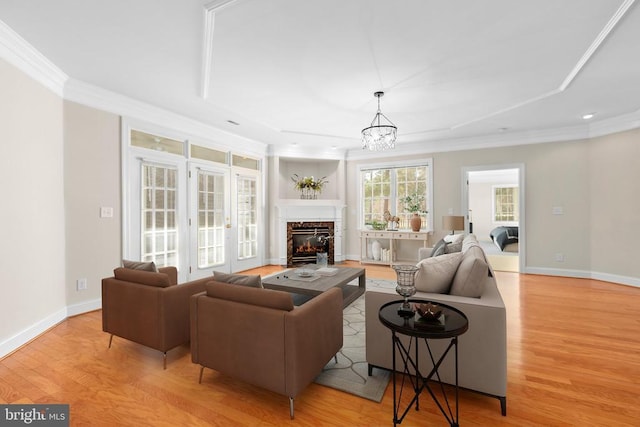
pixel 209 221
pixel 156 223
pixel 245 225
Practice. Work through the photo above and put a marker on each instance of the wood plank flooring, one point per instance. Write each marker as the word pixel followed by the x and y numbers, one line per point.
pixel 573 360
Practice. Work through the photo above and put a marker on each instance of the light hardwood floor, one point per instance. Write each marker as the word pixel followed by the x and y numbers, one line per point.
pixel 573 359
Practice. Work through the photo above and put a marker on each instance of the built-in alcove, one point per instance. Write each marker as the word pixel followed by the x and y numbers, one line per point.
pixel 318 168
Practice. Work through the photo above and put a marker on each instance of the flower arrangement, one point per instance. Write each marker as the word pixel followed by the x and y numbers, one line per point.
pixel 308 185
pixel 413 203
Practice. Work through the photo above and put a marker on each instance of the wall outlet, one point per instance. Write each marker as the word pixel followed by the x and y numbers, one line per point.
pixel 559 257
pixel 81 284
pixel 106 212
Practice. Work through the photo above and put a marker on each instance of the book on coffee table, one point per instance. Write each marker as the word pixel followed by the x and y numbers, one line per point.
pixel 327 271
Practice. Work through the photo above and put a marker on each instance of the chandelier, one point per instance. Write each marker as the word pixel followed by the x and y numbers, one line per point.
pixel 381 134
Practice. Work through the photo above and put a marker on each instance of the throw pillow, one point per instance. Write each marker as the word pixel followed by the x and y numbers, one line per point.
pixel 435 274
pixel 137 265
pixel 450 248
pixel 161 280
pixel 253 281
pixel 469 280
pixel 438 248
pixel 454 238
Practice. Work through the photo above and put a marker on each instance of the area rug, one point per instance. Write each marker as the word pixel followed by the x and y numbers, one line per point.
pixel 350 373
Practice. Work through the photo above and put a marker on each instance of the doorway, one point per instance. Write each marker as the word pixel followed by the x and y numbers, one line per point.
pixel 493 197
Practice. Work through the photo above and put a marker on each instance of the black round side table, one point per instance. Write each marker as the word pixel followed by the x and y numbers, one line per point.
pixel 451 324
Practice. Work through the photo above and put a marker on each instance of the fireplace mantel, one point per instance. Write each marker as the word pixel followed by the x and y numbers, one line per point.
pixel 292 210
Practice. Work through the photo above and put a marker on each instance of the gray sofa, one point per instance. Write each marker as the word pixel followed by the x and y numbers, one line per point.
pixel 482 350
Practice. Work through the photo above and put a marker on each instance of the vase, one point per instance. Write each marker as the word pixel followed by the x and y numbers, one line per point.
pixel 376 250
pixel 406 287
pixel 415 222
pixel 322 259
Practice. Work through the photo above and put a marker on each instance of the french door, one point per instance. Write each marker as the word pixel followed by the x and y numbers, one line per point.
pixel 209 223
pixel 245 226
pixel 195 215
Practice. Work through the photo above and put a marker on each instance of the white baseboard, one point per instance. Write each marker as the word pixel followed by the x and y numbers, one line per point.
pixel 23 337
pixel 582 274
pixel 85 307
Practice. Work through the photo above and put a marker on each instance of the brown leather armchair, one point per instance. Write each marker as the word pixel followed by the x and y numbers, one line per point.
pixel 148 308
pixel 257 336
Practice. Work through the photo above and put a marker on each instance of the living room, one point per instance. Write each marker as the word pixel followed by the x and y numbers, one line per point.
pixel 69 139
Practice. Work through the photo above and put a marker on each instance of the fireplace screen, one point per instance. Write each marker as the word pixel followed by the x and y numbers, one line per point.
pixel 306 239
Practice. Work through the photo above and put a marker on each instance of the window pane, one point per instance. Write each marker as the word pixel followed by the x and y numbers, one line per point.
pixel 246 217
pixel 383 189
pixel 210 231
pixel 159 241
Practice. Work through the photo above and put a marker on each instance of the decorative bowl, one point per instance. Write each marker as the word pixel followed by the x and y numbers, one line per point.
pixel 429 311
pixel 304 272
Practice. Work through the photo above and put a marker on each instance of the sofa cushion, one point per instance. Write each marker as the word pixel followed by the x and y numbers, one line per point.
pixel 453 247
pixel 142 277
pixel 435 274
pixel 472 273
pixel 137 265
pixel 269 298
pixel 253 281
pixel 454 238
pixel 438 248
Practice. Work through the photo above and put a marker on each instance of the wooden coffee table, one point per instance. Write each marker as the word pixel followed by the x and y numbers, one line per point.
pixel 290 281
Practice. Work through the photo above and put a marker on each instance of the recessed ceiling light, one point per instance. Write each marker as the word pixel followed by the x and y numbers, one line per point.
pixel 233 123
pixel 588 116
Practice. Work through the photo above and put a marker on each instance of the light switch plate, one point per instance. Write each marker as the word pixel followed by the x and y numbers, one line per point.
pixel 106 212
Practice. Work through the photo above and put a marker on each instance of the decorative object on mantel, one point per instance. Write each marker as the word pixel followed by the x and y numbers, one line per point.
pixel 406 287
pixel 308 186
pixel 380 135
pixel 414 203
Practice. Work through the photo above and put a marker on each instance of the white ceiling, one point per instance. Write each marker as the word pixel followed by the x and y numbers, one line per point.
pixel 303 73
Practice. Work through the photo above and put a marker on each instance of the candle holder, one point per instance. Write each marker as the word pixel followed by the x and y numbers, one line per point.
pixel 406 287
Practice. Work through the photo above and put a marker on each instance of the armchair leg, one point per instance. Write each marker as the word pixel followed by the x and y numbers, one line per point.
pixel 110 339
pixel 336 358
pixel 164 359
pixel 201 371
pixel 291 407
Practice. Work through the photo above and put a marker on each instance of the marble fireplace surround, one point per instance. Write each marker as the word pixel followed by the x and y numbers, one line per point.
pixel 310 211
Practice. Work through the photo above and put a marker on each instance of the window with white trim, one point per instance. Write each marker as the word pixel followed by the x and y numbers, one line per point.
pixel 383 188
pixel 505 204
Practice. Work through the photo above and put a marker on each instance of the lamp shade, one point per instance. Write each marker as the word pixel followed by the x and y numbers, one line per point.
pixel 453 223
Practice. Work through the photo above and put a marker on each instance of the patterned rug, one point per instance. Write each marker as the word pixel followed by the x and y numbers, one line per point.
pixel 350 373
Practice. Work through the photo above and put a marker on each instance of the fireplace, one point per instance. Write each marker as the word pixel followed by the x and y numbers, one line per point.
pixel 306 239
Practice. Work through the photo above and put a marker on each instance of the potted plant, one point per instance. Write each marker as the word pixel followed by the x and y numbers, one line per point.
pixel 309 187
pixel 413 203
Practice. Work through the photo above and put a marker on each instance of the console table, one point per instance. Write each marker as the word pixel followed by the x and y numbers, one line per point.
pixel 455 324
pixel 391 241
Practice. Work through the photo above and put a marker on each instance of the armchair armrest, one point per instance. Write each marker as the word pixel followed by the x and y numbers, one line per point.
pixel 313 335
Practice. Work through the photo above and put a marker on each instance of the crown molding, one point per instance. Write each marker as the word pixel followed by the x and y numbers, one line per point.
pixel 507 139
pixel 17 51
pixel 102 99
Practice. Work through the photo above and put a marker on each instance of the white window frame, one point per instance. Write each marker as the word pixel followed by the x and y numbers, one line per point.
pixel 493 204
pixel 428 162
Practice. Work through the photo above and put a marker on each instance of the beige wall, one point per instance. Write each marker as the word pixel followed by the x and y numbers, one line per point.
pixel 92 181
pixel 594 181
pixel 615 204
pixel 32 289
